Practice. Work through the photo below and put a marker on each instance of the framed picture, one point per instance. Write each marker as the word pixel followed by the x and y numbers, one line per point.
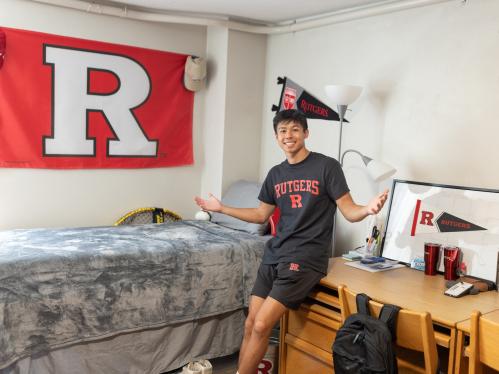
pixel 455 216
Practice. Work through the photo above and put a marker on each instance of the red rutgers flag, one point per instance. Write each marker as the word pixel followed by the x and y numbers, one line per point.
pixel 74 103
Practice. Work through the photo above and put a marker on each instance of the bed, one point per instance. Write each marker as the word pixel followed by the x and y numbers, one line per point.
pixel 126 299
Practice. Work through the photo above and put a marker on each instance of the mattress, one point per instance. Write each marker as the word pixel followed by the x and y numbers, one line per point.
pixel 60 287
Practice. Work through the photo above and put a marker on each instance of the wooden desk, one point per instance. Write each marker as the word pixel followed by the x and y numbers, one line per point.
pixel 407 288
pixel 463 329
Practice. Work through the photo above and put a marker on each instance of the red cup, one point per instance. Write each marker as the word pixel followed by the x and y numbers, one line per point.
pixel 451 262
pixel 431 253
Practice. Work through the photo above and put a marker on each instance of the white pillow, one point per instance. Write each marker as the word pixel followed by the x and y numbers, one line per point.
pixel 241 194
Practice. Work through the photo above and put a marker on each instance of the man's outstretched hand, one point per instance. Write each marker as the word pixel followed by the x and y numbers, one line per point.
pixel 212 204
pixel 376 204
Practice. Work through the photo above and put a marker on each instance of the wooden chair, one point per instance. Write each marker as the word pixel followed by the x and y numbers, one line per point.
pixel 484 343
pixel 414 332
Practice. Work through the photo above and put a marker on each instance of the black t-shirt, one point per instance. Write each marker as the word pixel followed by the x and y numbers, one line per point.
pixel 305 193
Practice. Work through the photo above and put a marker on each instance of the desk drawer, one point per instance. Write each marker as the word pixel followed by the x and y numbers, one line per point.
pixel 304 358
pixel 312 327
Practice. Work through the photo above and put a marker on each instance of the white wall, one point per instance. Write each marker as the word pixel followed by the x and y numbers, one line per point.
pixel 45 198
pixel 245 76
pixel 430 100
pixel 214 116
pixel 233 110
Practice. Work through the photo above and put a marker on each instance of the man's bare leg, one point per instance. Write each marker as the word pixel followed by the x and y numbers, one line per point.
pixel 255 347
pixel 255 304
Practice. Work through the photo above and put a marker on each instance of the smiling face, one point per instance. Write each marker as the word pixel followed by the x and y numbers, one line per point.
pixel 291 137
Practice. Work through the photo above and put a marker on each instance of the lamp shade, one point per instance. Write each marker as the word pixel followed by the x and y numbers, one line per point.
pixel 379 171
pixel 342 94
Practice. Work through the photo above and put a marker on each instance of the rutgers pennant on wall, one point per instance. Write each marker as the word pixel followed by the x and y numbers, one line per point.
pixel 293 96
pixel 428 219
pixel 74 103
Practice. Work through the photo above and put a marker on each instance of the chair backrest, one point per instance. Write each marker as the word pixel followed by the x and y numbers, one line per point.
pixel 484 343
pixel 414 330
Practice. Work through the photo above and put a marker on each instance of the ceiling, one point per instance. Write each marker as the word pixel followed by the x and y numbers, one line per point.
pixel 268 12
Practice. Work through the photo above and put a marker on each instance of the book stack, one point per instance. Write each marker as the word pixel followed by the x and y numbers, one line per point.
pixel 352 256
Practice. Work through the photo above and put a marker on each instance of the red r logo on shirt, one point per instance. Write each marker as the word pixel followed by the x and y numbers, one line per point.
pixel 295 201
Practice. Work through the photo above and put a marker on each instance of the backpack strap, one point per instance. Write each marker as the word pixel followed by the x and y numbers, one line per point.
pixel 388 315
pixel 362 301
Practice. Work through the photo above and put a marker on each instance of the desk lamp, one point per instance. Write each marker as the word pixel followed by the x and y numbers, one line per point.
pixel 377 170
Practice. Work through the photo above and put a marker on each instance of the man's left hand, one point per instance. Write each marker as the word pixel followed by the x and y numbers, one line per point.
pixel 376 204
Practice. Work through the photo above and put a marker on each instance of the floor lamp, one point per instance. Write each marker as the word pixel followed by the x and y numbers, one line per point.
pixel 342 96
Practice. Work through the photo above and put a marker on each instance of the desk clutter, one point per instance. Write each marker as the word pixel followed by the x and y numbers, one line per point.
pixel 460 289
pixel 469 285
pixel 464 285
pixel 369 263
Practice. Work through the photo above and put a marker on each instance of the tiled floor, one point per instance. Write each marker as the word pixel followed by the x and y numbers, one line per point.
pixel 228 364
pixel 222 365
pixel 225 365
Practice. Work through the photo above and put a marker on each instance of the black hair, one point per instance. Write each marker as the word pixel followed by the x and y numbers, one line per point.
pixel 290 115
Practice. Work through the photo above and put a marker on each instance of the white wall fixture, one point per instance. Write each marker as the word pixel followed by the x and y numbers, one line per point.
pixel 305 23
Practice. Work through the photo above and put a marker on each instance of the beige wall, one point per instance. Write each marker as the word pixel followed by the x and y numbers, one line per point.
pixel 429 106
pixel 48 198
pixel 227 118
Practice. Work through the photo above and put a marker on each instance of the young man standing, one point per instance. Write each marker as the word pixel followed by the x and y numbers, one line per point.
pixel 307 187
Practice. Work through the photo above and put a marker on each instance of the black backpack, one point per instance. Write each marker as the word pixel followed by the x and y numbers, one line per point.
pixel 364 344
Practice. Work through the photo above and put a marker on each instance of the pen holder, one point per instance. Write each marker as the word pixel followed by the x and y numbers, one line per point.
pixel 371 248
pixel 372 241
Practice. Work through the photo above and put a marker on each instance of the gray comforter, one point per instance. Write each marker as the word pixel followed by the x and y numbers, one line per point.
pixel 62 286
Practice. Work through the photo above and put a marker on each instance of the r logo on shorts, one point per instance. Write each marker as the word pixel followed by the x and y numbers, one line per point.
pixel 294 267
